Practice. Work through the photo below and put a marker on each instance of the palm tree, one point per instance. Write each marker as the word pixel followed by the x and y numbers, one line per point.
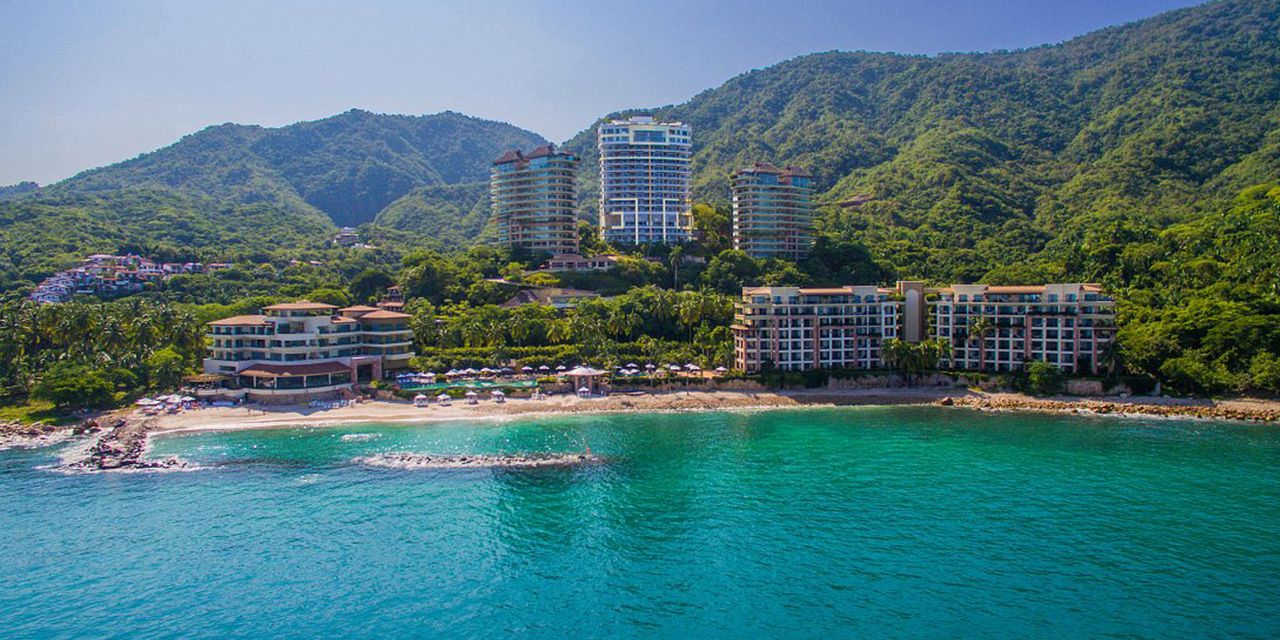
pixel 980 328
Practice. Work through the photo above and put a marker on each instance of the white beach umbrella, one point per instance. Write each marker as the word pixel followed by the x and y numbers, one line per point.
pixel 584 390
pixel 560 367
pixel 721 369
pixel 146 402
pixel 544 368
pixel 497 392
pixel 650 366
pixel 420 397
pixel 472 394
pixel 443 396
pixel 632 365
pixel 526 368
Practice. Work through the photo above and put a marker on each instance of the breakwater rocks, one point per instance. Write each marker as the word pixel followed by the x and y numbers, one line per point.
pixel 29 436
pixel 532 461
pixel 121 447
pixel 1260 413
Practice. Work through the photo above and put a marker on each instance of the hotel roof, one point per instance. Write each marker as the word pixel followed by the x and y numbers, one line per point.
pixel 359 307
pixel 301 305
pixel 282 370
pixel 383 314
pixel 240 321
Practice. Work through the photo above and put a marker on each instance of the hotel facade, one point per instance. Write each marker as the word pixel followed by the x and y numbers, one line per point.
pixel 989 328
pixel 303 348
pixel 772 211
pixel 645 181
pixel 535 198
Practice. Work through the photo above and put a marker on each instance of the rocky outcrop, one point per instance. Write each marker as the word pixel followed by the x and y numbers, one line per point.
pixel 1207 410
pixel 24 436
pixel 121 446
pixel 422 461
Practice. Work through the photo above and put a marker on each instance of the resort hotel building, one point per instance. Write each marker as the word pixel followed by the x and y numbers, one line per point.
pixel 303 348
pixel 772 211
pixel 534 199
pixel 989 328
pixel 644 181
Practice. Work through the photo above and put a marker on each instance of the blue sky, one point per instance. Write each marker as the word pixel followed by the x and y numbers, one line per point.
pixel 91 83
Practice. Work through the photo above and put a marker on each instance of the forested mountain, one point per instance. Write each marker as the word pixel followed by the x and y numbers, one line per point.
pixel 970 161
pixel 349 166
pixel 957 167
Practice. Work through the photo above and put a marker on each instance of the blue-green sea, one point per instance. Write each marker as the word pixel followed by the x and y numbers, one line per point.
pixel 820 523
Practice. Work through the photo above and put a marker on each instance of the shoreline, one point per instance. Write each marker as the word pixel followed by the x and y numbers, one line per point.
pixel 383 411
pixel 124 441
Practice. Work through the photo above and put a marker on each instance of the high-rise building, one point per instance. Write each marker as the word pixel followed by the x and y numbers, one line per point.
pixel 535 198
pixel 989 328
pixel 772 211
pixel 644 181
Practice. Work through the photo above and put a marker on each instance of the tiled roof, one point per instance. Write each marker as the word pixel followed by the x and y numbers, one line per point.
pixel 240 321
pixel 301 305
pixel 279 370
pixel 383 314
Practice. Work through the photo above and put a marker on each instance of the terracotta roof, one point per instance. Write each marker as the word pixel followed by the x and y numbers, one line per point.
pixel 280 370
pixel 359 307
pixel 510 156
pixel 343 320
pixel 544 150
pixel 240 321
pixel 301 305
pixel 383 314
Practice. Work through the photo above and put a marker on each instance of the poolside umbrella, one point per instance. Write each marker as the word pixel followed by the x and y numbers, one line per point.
pixel 650 366
pixel 443 396
pixel 147 402
pixel 673 367
pixel 693 367
pixel 721 369
pixel 632 365
pixel 561 367
pixel 544 368
pixel 429 374
pixel 469 371
pixel 497 393
pixel 471 394
pixel 419 397
pixel 526 368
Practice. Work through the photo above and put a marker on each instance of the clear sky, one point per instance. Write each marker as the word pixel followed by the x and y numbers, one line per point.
pixel 87 83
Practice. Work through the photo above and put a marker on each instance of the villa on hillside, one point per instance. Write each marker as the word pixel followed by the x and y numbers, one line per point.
pixel 990 328
pixel 575 262
pixel 108 275
pixel 302 349
pixel 549 296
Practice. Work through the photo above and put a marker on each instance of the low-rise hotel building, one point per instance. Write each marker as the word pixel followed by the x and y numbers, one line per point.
pixel 534 200
pixel 303 348
pixel 798 328
pixel 1068 325
pixel 773 211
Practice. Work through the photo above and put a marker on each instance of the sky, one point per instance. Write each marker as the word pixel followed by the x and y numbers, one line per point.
pixel 87 83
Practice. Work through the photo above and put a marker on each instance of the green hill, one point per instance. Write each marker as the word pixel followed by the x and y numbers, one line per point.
pixel 970 161
pixel 350 166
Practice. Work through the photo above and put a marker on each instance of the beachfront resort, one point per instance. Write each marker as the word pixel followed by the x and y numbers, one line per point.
pixel 987 328
pixel 300 349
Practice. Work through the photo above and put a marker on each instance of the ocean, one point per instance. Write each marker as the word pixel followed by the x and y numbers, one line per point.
pixel 903 522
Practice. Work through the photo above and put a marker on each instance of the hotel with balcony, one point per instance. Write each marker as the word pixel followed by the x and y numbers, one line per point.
pixel 302 349
pixel 534 200
pixel 645 181
pixel 1068 325
pixel 797 328
pixel 772 211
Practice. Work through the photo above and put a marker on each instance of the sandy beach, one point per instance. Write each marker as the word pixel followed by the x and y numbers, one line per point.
pixel 264 416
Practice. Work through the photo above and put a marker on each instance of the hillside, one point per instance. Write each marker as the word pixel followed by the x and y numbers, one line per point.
pixel 349 167
pixel 972 161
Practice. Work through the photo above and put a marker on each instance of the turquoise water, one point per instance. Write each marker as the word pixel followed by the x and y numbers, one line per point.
pixel 871 522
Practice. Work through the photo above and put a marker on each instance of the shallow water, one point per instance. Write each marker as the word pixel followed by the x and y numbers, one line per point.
pixel 874 521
